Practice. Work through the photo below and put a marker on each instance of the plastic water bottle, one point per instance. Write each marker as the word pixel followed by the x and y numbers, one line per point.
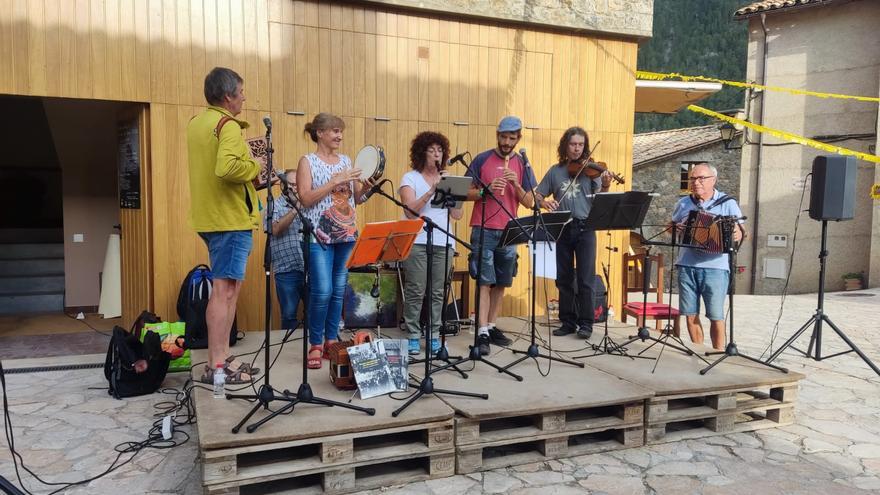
pixel 219 382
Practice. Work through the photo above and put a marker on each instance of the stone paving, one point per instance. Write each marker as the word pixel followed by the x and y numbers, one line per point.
pixel 66 427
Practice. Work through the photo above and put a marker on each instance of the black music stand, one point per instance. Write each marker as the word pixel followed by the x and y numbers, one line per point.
pixel 544 227
pixel 620 211
pixel 731 350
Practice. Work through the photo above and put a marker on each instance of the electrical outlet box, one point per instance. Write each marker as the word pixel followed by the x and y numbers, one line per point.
pixel 777 240
pixel 774 268
pixel 79 238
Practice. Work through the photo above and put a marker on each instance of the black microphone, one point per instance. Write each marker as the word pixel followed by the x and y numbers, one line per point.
pixel 373 190
pixel 267 122
pixel 522 153
pixel 457 158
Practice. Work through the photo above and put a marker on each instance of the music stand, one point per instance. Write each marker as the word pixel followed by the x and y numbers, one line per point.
pixel 451 191
pixel 384 242
pixel 618 211
pixel 547 227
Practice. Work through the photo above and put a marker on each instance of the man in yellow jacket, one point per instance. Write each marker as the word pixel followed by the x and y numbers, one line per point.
pixel 224 209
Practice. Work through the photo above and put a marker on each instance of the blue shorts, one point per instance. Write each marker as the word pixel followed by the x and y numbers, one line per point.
pixel 499 263
pixel 710 283
pixel 228 252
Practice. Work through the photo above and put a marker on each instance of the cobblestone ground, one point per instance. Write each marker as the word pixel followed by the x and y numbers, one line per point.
pixel 66 430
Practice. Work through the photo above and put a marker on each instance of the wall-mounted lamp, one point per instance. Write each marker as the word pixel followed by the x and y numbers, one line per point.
pixel 728 134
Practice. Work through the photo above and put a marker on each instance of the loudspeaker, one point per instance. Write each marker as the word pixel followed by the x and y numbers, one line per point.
pixel 833 191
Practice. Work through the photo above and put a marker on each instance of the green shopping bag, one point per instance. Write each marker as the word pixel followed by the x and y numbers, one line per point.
pixel 170 334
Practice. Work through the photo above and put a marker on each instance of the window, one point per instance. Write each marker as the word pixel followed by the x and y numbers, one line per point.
pixel 686 167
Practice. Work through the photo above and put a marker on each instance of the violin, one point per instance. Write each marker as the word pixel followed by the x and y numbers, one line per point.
pixel 591 169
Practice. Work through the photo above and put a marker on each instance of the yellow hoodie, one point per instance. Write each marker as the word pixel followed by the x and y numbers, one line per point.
pixel 221 172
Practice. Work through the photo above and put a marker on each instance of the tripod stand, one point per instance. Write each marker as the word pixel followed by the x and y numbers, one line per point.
pixel 475 354
pixel 266 393
pixel 607 344
pixel 558 220
pixel 731 349
pixel 669 327
pixel 446 200
pixel 426 386
pixel 820 317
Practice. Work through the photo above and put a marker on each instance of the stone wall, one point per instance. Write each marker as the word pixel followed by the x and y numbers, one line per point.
pixel 663 178
pixel 618 17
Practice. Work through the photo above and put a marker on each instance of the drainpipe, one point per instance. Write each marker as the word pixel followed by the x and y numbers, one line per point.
pixel 760 121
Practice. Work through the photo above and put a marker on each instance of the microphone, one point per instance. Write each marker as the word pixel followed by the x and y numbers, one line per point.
pixel 522 153
pixel 457 158
pixel 267 121
pixel 373 190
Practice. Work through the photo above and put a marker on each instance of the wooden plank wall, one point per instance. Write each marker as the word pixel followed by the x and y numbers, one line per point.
pixel 353 59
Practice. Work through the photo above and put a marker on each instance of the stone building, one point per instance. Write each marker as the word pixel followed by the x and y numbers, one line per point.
pixel 827 46
pixel 661 161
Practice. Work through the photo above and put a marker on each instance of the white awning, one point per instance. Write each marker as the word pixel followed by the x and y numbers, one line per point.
pixel 671 96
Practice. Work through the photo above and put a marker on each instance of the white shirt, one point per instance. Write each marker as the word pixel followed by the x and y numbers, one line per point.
pixel 417 182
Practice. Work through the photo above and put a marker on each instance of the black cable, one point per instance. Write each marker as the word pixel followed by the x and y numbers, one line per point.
pixel 181 406
pixel 84 322
pixel 775 332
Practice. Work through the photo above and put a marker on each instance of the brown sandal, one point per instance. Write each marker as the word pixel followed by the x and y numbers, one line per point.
pixel 326 350
pixel 233 377
pixel 314 363
pixel 237 364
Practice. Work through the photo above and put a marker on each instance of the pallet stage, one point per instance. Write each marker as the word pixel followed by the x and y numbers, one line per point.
pixel 735 396
pixel 314 448
pixel 612 403
pixel 573 411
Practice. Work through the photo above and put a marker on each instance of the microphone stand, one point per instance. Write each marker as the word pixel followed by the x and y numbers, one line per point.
pixel 266 393
pixel 426 386
pixel 474 354
pixel 533 351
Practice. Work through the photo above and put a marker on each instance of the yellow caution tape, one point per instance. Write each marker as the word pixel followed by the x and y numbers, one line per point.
pixel 875 191
pixel 656 76
pixel 787 136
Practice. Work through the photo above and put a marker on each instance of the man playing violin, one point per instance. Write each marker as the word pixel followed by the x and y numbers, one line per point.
pixel 701 273
pixel 576 247
pixel 504 172
pixel 287 258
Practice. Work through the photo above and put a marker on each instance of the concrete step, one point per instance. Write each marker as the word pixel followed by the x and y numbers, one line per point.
pixel 32 284
pixel 31 303
pixel 29 251
pixel 23 236
pixel 30 267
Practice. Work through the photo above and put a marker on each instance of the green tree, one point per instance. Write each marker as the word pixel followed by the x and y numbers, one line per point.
pixel 699 38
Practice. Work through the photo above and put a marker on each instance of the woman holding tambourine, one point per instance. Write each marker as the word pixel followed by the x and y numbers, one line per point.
pixel 329 187
pixel 428 155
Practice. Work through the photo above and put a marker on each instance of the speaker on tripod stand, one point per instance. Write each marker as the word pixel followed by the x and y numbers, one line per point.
pixel 832 197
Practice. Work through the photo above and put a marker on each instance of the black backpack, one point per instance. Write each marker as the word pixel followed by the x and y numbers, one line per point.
pixel 192 305
pixel 125 349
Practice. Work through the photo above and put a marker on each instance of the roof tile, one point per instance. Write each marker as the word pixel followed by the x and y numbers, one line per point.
pixel 651 146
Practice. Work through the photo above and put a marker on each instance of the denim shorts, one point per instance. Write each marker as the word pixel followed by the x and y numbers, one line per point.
pixel 499 263
pixel 710 283
pixel 228 252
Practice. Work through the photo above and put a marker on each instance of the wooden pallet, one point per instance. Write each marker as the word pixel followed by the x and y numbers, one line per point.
pixel 677 417
pixel 334 464
pixel 490 443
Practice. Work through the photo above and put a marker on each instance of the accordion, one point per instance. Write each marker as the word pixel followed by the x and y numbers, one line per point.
pixel 708 232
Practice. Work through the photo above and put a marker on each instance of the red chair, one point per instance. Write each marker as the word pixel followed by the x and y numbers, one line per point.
pixel 632 282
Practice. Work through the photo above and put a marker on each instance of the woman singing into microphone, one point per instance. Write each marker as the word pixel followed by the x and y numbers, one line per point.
pixel 328 188
pixel 428 154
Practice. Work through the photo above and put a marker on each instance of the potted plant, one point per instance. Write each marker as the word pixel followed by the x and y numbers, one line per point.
pixel 853 281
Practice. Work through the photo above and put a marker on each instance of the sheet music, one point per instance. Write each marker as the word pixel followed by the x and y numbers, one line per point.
pixel 545 260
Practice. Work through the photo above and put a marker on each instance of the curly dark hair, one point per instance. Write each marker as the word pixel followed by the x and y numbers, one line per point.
pixel 566 137
pixel 420 145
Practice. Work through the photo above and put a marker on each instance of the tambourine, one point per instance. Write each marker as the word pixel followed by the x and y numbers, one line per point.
pixel 370 160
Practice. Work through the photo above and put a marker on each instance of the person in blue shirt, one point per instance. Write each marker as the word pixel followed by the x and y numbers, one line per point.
pixel 702 274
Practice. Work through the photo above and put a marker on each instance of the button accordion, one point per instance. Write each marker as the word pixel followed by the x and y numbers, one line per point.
pixel 708 232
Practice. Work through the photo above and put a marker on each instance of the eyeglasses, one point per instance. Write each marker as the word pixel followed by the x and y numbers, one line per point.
pixel 701 178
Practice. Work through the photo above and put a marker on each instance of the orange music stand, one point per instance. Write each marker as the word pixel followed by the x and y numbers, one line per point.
pixel 385 242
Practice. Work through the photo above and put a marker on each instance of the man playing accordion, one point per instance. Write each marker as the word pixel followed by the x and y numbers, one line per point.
pixel 703 273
